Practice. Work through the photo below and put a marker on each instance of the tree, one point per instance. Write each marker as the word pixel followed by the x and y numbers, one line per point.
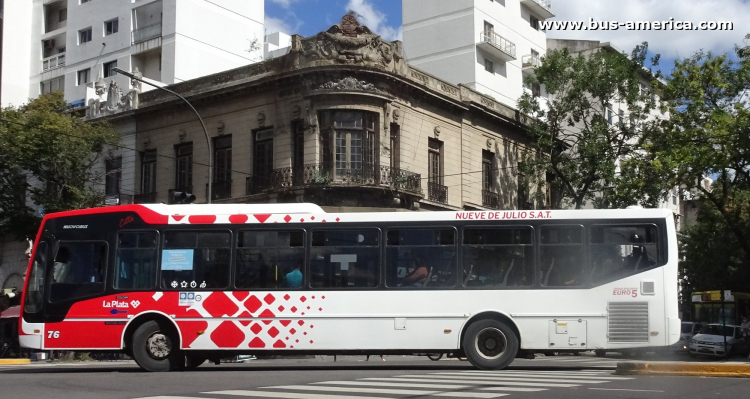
pixel 577 137
pixel 707 134
pixel 47 156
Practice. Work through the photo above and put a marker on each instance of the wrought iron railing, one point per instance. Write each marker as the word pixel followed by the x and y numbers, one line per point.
pixel 145 198
pixel 490 199
pixel 146 33
pixel 499 42
pixel 437 192
pixel 321 175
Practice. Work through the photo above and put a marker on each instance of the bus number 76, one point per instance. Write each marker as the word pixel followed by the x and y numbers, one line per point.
pixel 53 334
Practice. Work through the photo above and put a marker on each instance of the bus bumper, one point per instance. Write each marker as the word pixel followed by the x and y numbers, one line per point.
pixel 30 341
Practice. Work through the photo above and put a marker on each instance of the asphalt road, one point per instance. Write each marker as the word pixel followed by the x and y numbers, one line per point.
pixel 353 378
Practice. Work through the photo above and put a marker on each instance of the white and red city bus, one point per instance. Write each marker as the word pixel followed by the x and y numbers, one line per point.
pixel 174 285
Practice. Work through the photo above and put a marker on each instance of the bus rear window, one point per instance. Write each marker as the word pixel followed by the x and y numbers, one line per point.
pixel 621 251
pixel 193 260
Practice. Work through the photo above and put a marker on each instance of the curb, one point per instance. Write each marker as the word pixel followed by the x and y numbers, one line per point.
pixel 14 361
pixel 737 370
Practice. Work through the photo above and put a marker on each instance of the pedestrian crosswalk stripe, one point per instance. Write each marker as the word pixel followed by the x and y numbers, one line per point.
pixel 386 391
pixel 410 385
pixel 535 375
pixel 287 395
pixel 456 381
pixel 394 384
pixel 500 377
pixel 550 372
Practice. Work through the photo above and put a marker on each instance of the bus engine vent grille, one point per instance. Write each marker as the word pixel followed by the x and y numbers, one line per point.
pixel 628 322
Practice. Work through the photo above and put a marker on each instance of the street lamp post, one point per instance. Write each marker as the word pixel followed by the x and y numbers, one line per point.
pixel 203 125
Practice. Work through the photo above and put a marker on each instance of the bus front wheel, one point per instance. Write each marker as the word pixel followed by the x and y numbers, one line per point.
pixel 490 344
pixel 154 348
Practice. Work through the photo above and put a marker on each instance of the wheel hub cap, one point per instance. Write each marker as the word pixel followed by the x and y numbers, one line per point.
pixel 490 343
pixel 158 346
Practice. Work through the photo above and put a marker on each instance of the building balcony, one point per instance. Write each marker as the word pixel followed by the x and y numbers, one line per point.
pixel 497 46
pixel 529 62
pixel 55 61
pixel 490 199
pixel 316 175
pixel 541 8
pixel 146 33
pixel 437 192
pixel 145 198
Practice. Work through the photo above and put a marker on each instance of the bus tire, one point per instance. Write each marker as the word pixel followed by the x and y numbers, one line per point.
pixel 154 347
pixel 490 344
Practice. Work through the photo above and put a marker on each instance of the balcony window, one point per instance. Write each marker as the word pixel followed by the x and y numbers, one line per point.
pixel 83 77
pixel 148 172
pixel 222 183
pixel 263 158
pixel 534 22
pixel 111 27
pixel 436 191
pixel 184 167
pixel 108 69
pixel 84 36
pixel 56 84
pixel 113 177
pixel 353 134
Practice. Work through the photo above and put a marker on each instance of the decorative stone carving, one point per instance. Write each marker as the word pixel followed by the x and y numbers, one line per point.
pixel 115 101
pixel 296 110
pixel 489 144
pixel 350 43
pixel 396 114
pixel 220 128
pixel 437 131
pixel 261 119
pixel 182 136
pixel 350 84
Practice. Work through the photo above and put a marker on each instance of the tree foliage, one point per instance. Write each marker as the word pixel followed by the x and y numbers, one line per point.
pixel 577 136
pixel 707 134
pixel 46 160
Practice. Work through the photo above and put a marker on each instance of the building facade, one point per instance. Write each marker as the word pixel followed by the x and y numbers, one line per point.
pixel 486 45
pixel 341 120
pixel 66 45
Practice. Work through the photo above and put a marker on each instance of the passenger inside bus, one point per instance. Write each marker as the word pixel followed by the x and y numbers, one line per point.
pixel 419 276
pixel 293 279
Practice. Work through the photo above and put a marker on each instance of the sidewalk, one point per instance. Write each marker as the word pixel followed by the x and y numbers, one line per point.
pixel 703 369
pixel 4 362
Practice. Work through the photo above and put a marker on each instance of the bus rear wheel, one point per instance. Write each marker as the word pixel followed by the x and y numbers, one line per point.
pixel 490 344
pixel 154 348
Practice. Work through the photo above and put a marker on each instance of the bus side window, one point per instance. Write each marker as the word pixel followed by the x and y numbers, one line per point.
pixel 621 251
pixel 495 258
pixel 191 259
pixel 270 259
pixel 345 258
pixel 135 264
pixel 562 257
pixel 421 258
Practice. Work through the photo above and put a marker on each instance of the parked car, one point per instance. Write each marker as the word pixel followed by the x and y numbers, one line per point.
pixel 710 342
pixel 689 329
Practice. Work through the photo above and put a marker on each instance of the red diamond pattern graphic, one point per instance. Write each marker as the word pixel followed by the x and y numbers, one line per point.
pixel 338 220
pixel 311 341
pixel 302 220
pixel 241 296
pixel 285 323
pixel 287 218
pixel 218 305
pixel 253 304
pixel 279 344
pixel 281 308
pixel 292 331
pixel 293 309
pixel 304 333
pixel 323 297
pixel 257 343
pixel 227 335
pixel 301 323
pixel 303 299
pixel 286 297
pixel 273 332
pixel 245 314
pixel 312 326
pixel 313 297
pixel 256 328
pixel 320 309
pixel 267 314
pixel 296 340
pixel 312 217
pixel 269 299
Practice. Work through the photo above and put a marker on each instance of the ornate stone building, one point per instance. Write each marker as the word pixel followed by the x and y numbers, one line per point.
pixel 342 120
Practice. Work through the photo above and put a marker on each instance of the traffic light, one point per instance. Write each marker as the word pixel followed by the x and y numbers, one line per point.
pixel 182 197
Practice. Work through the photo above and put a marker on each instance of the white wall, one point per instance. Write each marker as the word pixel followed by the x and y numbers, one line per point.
pixel 440 37
pixel 216 36
pixel 16 38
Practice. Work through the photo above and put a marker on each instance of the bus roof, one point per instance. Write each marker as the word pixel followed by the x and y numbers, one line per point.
pixel 311 213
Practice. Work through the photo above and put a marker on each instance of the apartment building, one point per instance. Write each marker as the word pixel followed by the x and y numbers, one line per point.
pixel 487 45
pixel 66 45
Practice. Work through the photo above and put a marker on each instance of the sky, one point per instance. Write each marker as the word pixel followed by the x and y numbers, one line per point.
pixel 308 17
